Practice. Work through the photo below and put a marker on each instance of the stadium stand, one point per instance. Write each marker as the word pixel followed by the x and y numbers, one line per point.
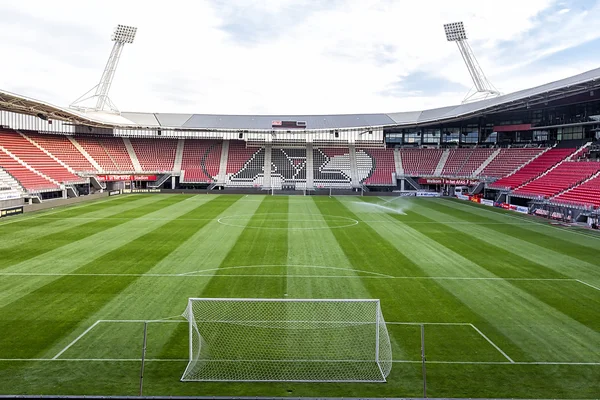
pixel 455 161
pixel 62 148
pixel 201 159
pixel 533 169
pixel 331 167
pixel 7 192
pixel 382 166
pixel 420 162
pixel 155 155
pixel 23 149
pixel 559 179
pixel 28 179
pixel 509 160
pixel 109 152
pixel 586 194
pixel 245 165
pixel 288 167
pixel 475 158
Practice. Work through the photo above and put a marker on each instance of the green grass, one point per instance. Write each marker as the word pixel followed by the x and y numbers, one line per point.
pixel 511 305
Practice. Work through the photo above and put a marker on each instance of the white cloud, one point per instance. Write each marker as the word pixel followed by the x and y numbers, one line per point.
pixel 279 56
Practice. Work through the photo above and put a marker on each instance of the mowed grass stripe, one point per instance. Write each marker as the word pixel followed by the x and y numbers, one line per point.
pixel 560 257
pixel 515 320
pixel 42 217
pixel 44 230
pixel 478 244
pixel 546 239
pixel 575 235
pixel 42 243
pixel 169 296
pixel 466 241
pixel 311 248
pixel 417 300
pixel 258 245
pixel 402 300
pixel 433 301
pixel 379 256
pixel 57 308
pixel 66 259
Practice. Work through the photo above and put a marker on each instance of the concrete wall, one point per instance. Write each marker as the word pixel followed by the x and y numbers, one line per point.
pixel 63 202
pixel 11 203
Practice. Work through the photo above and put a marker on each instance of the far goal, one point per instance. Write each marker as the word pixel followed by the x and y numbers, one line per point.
pixel 290 340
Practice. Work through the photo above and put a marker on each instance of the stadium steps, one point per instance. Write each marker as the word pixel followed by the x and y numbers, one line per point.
pixel 163 178
pixel 310 162
pixel 222 176
pixel 72 191
pixel 134 159
pixel 353 169
pixel 268 167
pixel 585 193
pixel 442 163
pixel 8 180
pixel 486 162
pixel 580 152
pixel 547 171
pixel 521 167
pixel 178 156
pixel 71 170
pixel 398 162
pixel 85 154
pixel 30 168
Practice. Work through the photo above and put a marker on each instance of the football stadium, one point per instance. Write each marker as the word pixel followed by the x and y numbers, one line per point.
pixel 443 253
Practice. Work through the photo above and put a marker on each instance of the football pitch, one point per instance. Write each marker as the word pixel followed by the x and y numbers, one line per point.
pixel 509 305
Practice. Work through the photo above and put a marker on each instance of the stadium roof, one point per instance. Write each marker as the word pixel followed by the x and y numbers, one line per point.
pixel 571 86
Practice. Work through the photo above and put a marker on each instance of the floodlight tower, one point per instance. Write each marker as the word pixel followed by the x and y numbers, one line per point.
pixel 455 32
pixel 99 94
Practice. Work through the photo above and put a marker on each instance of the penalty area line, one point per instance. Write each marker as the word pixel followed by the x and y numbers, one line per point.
pixel 493 344
pixel 182 360
pixel 587 284
pixel 75 341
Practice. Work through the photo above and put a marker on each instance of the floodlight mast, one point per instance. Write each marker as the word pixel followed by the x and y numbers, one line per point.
pixel 455 32
pixel 122 35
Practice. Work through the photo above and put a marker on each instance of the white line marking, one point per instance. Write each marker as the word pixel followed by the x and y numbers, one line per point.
pixel 587 284
pixel 157 321
pixel 394 361
pixel 428 323
pixel 285 265
pixel 62 208
pixel 529 221
pixel 185 321
pixel 75 341
pixel 492 343
pixel 376 275
pixel 395 221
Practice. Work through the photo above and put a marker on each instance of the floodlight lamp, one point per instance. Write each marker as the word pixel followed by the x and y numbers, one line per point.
pixel 455 32
pixel 124 34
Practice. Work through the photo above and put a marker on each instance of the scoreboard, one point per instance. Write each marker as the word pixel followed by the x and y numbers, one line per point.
pixel 288 124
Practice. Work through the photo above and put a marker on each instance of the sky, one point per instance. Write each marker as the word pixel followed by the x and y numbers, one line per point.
pixel 290 56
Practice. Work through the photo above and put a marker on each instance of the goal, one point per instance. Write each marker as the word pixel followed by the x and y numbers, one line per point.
pixel 293 340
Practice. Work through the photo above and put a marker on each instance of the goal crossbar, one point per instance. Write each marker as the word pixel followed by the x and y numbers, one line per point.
pixel 300 340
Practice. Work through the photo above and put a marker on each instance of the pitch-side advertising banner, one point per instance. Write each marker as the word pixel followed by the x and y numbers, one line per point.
pixel 115 178
pixel 428 194
pixel 446 181
pixel 487 202
pixel 11 211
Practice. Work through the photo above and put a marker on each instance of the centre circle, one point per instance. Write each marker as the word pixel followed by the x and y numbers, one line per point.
pixel 287 221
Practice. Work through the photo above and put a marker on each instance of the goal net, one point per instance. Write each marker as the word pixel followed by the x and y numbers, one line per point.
pixel 303 340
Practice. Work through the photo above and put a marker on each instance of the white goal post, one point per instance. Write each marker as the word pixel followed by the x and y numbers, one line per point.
pixel 287 340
